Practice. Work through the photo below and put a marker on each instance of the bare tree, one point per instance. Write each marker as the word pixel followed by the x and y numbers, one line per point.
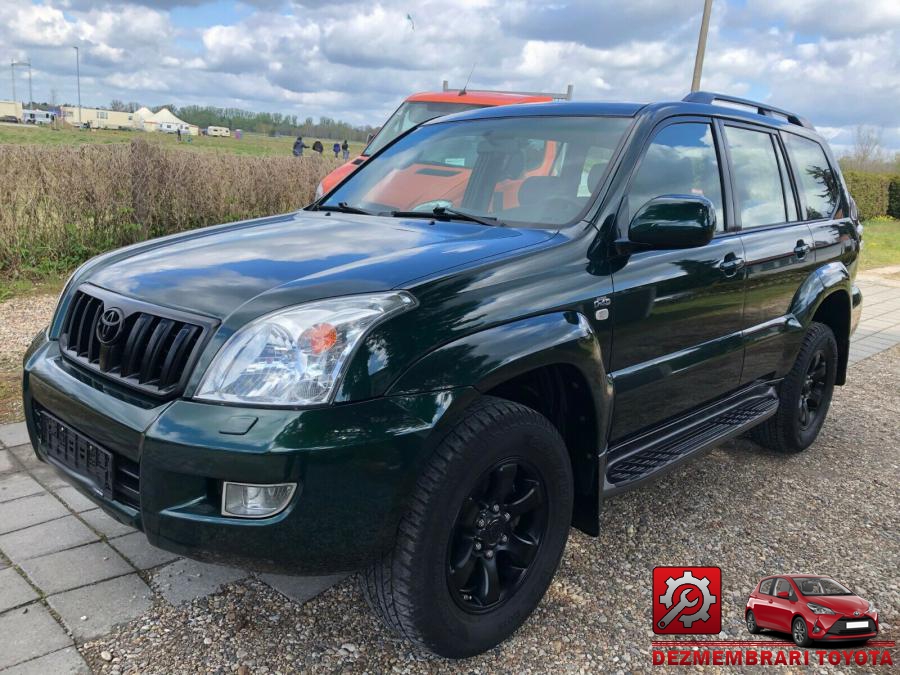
pixel 868 153
pixel 117 105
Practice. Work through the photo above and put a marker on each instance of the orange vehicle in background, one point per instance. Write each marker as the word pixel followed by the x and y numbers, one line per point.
pixel 425 106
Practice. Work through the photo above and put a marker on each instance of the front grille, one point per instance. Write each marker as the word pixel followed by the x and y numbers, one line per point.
pixel 127 482
pixel 840 627
pixel 145 347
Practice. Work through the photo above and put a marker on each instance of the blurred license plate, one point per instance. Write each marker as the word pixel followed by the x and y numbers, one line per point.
pixel 77 453
pixel 857 624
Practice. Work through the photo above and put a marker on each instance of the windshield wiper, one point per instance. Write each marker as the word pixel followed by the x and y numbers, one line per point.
pixel 446 212
pixel 344 207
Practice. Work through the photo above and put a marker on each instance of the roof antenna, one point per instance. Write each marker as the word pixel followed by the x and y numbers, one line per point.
pixel 462 92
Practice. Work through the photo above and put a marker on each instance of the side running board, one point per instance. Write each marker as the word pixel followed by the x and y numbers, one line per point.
pixel 661 450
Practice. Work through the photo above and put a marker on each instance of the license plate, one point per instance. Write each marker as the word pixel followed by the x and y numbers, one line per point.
pixel 76 452
pixel 857 624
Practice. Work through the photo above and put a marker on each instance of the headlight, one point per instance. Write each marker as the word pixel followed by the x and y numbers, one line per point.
pixel 296 356
pixel 818 609
pixel 872 609
pixel 320 190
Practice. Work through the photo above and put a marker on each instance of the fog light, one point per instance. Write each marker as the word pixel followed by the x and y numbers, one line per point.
pixel 246 500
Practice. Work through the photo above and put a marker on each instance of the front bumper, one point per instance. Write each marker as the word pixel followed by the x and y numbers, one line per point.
pixel 355 466
pixel 833 628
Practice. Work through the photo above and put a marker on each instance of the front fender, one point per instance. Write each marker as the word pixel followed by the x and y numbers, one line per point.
pixel 488 358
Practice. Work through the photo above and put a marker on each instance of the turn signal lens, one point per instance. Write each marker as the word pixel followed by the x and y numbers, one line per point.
pixel 246 500
pixel 321 338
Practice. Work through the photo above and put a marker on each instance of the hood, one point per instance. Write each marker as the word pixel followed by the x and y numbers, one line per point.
pixel 841 604
pixel 215 271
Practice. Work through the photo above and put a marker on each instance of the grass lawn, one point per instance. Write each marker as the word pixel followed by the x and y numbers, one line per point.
pixel 881 243
pixel 250 144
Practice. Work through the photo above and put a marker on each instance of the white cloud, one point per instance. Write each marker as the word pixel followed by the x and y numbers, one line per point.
pixel 836 63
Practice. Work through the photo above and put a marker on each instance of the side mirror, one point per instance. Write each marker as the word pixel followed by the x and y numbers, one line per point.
pixel 674 221
pixel 783 594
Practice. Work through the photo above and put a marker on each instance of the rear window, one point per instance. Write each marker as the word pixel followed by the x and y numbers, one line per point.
pixel 766 587
pixel 818 182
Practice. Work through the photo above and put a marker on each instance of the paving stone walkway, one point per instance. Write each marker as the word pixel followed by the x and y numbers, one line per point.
pixel 69 572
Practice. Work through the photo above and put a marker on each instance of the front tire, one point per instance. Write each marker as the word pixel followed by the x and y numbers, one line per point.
pixel 484 534
pixel 804 396
pixel 800 633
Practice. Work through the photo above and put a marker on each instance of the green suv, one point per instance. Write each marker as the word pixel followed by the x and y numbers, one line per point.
pixel 431 373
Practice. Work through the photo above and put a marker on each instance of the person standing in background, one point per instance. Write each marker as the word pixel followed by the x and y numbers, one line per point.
pixel 346 149
pixel 336 149
pixel 298 147
pixel 318 147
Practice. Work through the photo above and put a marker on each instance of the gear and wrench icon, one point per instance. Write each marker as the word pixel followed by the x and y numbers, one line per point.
pixel 688 579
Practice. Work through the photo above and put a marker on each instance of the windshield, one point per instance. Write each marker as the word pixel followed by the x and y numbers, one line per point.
pixel 818 586
pixel 408 115
pixel 526 170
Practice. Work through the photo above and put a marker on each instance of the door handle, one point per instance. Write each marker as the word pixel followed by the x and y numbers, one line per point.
pixel 731 265
pixel 801 249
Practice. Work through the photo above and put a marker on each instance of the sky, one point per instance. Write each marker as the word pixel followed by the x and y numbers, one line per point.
pixel 834 62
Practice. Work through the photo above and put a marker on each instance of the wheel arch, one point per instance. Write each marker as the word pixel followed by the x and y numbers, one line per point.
pixel 551 363
pixel 825 297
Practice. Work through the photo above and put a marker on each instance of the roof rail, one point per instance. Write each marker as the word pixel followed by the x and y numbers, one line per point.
pixel 710 97
pixel 566 96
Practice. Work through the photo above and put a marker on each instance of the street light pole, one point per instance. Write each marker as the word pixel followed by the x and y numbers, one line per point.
pixel 78 80
pixel 701 45
pixel 12 73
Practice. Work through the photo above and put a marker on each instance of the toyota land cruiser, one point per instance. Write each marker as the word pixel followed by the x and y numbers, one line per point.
pixel 430 385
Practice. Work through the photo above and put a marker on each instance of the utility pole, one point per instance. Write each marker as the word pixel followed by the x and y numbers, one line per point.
pixel 13 65
pixel 701 45
pixel 12 72
pixel 78 80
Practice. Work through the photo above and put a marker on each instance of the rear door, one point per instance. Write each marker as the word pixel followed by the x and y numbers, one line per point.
pixel 676 313
pixel 778 246
pixel 762 607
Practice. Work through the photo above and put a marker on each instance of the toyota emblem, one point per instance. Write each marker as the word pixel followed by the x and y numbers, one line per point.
pixel 856 613
pixel 110 326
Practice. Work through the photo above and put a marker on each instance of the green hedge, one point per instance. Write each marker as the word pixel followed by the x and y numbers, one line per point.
pixel 894 197
pixel 870 191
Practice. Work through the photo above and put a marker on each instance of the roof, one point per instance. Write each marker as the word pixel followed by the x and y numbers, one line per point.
pixel 550 109
pixel 605 108
pixel 477 97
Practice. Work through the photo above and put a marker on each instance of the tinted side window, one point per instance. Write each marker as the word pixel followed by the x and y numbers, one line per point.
pixel 766 587
pixel 757 181
pixel 680 160
pixel 817 180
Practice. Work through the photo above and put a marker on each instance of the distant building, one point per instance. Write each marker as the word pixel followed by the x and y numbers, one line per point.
pixel 142 119
pixel 218 131
pixel 98 118
pixel 11 109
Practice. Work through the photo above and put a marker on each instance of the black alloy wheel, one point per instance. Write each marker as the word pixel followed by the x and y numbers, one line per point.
pixel 497 535
pixel 812 392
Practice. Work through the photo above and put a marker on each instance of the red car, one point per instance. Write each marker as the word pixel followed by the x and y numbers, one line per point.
pixel 811 608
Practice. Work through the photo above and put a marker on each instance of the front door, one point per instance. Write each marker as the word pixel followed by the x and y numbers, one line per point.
pixel 783 608
pixel 777 246
pixel 676 313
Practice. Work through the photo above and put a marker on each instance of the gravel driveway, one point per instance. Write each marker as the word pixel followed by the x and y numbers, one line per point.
pixel 831 510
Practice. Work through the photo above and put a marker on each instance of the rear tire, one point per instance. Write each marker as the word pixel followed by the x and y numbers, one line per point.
pixel 752 627
pixel 452 583
pixel 805 395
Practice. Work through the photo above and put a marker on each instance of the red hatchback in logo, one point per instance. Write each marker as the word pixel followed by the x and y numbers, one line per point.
pixel 810 608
